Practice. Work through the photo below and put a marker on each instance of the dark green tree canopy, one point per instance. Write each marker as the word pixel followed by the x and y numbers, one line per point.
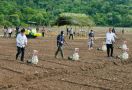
pixel 45 12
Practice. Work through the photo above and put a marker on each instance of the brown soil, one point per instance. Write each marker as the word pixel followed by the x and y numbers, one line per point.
pixel 94 71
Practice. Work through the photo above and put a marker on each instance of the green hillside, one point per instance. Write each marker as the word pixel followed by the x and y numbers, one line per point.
pixel 45 12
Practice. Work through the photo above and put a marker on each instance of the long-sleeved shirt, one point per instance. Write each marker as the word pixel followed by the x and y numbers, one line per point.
pixel 21 40
pixel 71 31
pixel 110 37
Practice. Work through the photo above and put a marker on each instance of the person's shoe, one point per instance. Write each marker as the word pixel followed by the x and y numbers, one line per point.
pixel 55 57
pixel 108 55
pixel 16 58
pixel 22 62
pixel 63 58
pixel 111 55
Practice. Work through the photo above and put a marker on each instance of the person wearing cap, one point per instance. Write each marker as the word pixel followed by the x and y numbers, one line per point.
pixel 110 39
pixel 21 41
pixel 60 43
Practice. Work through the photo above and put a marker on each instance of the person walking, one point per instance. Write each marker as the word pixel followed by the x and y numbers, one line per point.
pixel 110 40
pixel 91 39
pixel 60 42
pixel 21 41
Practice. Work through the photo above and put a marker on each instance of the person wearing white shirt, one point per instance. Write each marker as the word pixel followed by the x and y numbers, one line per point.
pixel 71 33
pixel 9 32
pixel 21 42
pixel 110 39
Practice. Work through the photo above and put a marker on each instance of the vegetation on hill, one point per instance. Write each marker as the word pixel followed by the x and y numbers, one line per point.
pixel 45 12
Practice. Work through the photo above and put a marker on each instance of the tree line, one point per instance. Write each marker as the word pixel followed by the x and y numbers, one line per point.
pixel 47 12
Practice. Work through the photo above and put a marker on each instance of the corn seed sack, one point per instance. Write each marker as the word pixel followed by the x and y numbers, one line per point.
pixel 124 56
pixel 34 59
pixel 104 47
pixel 75 55
pixel 124 46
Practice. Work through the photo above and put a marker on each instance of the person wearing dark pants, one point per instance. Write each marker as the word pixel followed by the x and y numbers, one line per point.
pixel 17 30
pixel 20 50
pixel 9 32
pixel 10 35
pixel 60 42
pixel 110 39
pixel 109 50
pixel 60 49
pixel 43 32
pixel 21 43
pixel 67 31
pixel 71 33
pixel 91 39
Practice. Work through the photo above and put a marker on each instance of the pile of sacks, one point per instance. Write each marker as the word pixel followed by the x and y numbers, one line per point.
pixel 34 59
pixel 75 55
pixel 124 55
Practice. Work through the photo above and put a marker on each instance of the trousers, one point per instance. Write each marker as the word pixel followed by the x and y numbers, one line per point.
pixel 59 49
pixel 109 48
pixel 20 50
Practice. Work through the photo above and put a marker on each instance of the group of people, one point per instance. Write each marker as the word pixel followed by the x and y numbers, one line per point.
pixel 71 33
pixel 21 40
pixel 110 43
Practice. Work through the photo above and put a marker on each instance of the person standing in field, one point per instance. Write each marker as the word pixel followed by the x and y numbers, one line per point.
pixel 21 42
pixel 5 31
pixel 113 30
pixel 123 31
pixel 71 33
pixel 60 43
pixel 67 31
pixel 17 30
pixel 91 39
pixel 110 40
pixel 37 29
pixel 43 32
pixel 9 32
